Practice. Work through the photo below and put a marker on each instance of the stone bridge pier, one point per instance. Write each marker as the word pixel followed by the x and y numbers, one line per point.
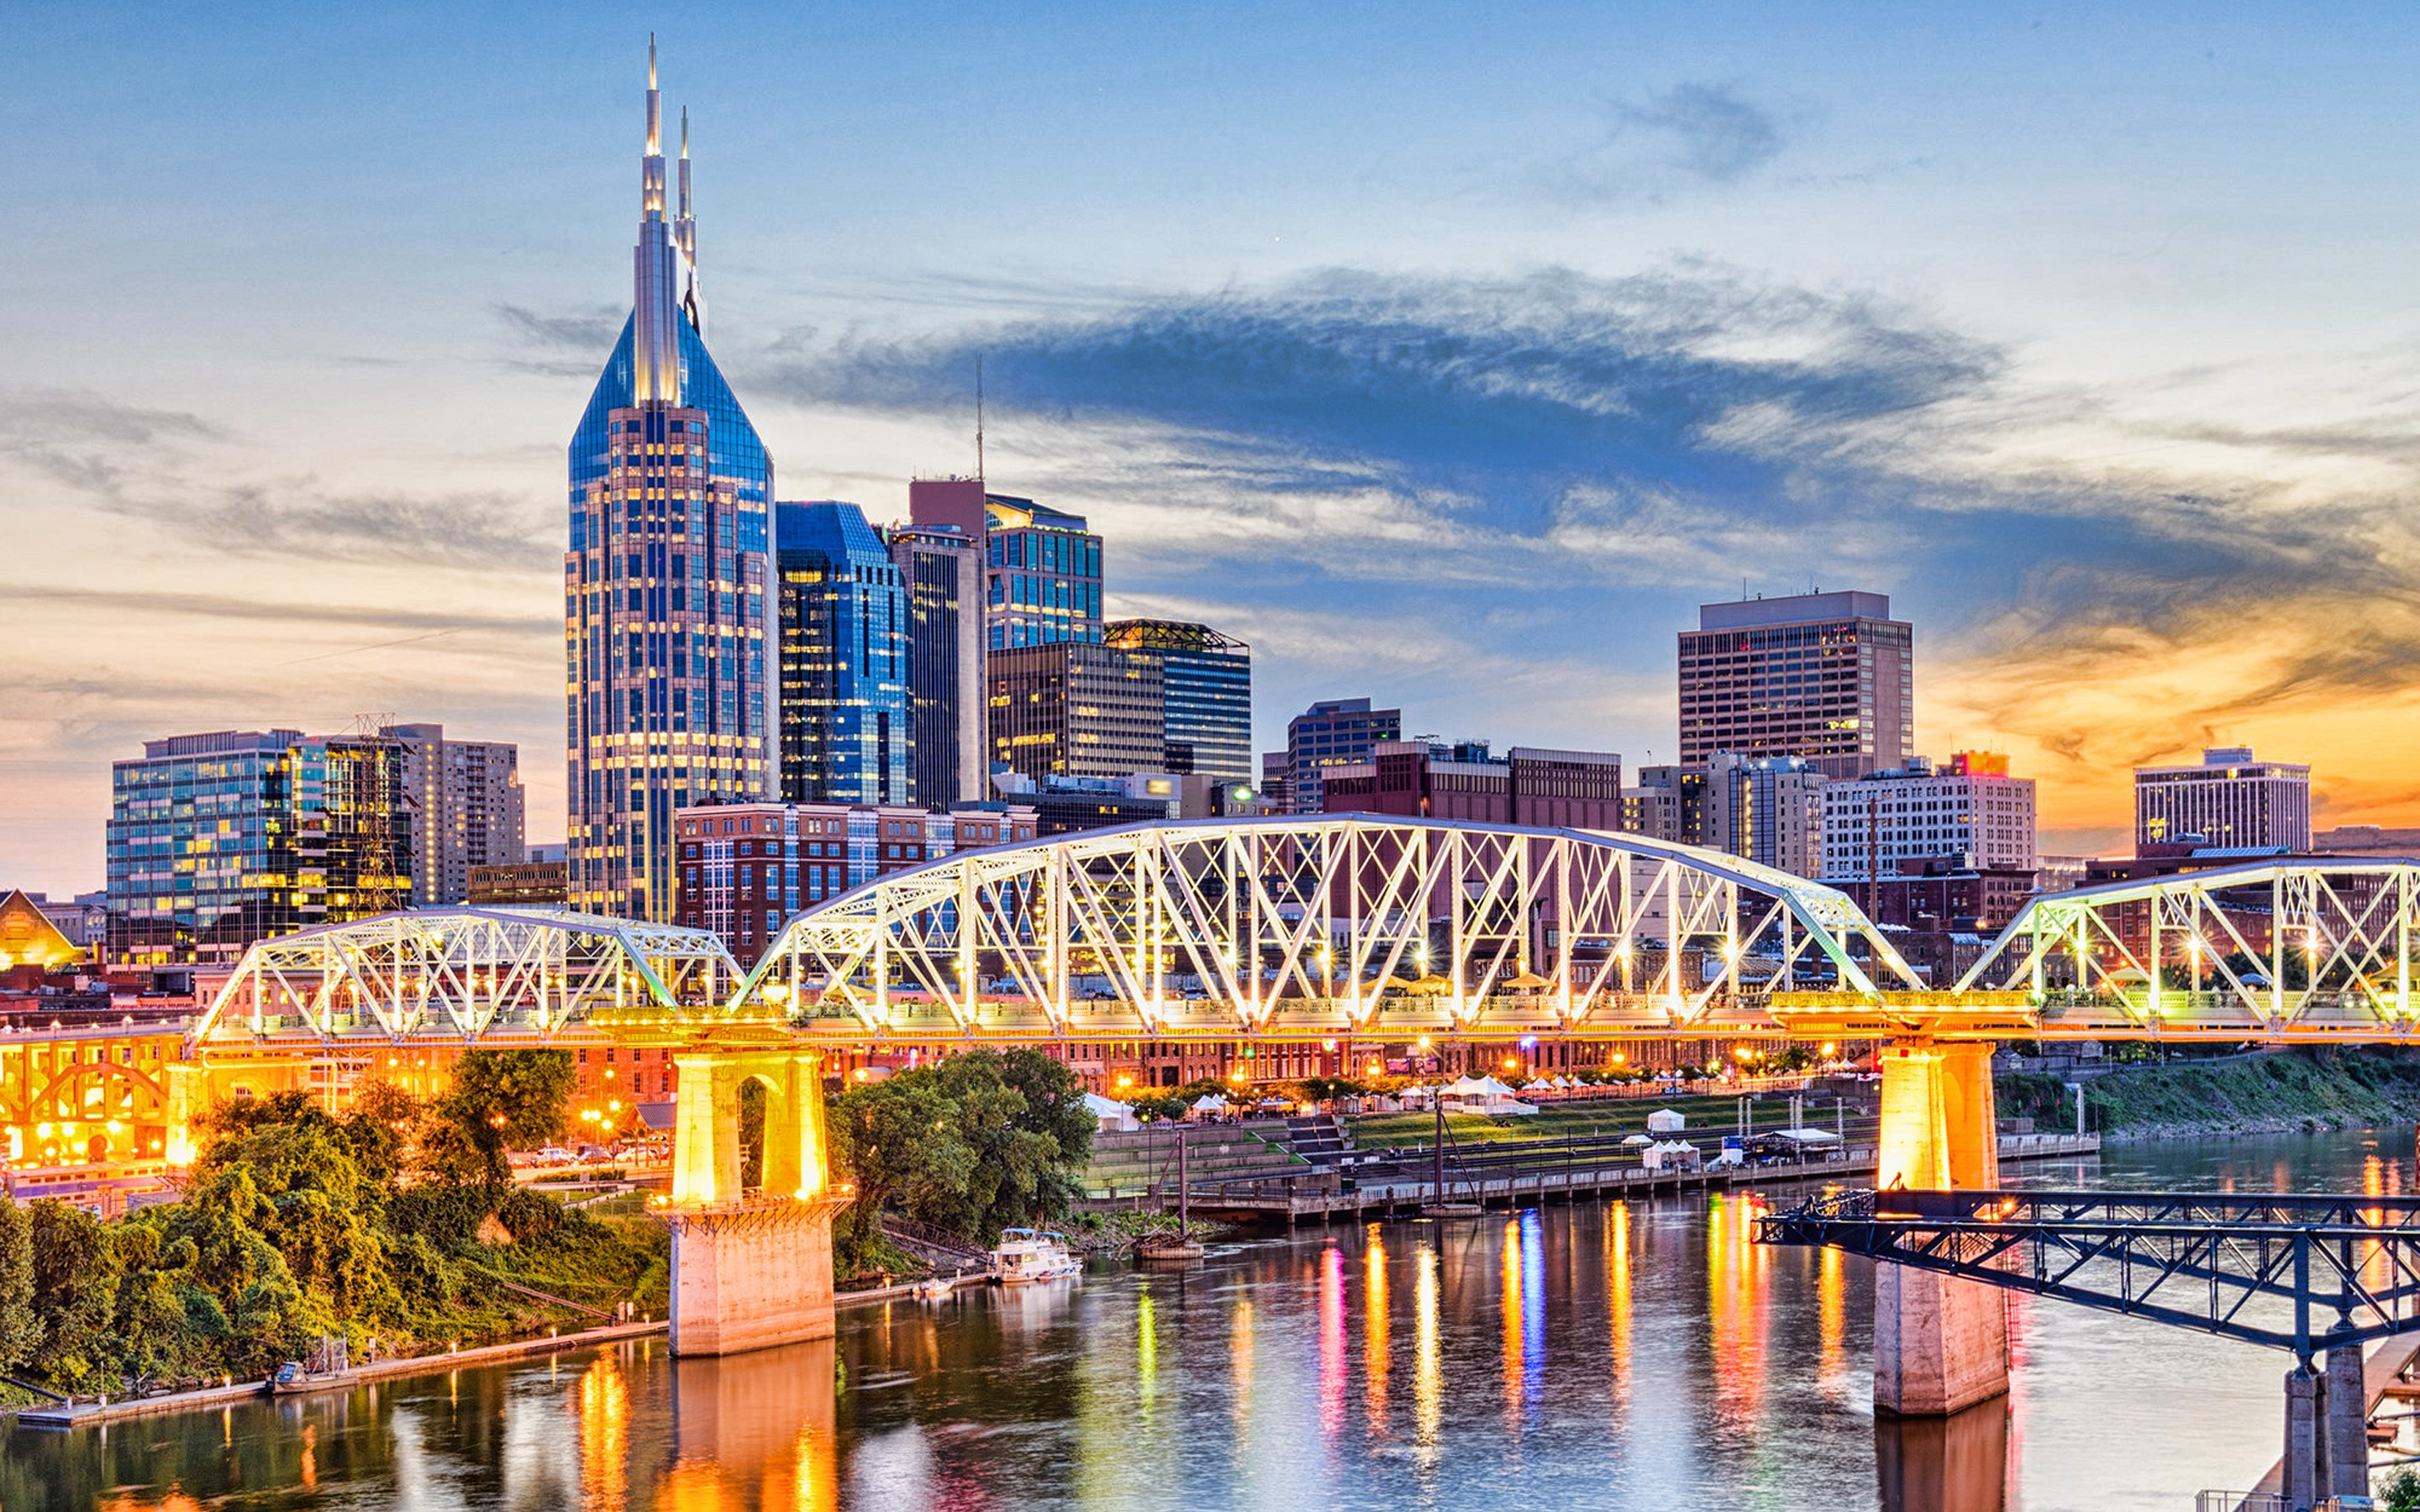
pixel 752 1264
pixel 1940 1343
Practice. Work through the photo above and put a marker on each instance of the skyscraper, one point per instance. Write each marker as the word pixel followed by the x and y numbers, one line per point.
pixel 1045 568
pixel 943 571
pixel 1207 679
pixel 1826 676
pixel 844 621
pixel 2229 800
pixel 465 797
pixel 1968 811
pixel 1332 732
pixel 666 614
pixel 1768 809
pixel 1075 709
pixel 218 839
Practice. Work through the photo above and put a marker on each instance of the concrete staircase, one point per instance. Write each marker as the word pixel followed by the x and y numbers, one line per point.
pixel 1125 1166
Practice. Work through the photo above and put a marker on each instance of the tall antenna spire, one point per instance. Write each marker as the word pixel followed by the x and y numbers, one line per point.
pixel 657 266
pixel 651 166
pixel 979 418
pixel 686 174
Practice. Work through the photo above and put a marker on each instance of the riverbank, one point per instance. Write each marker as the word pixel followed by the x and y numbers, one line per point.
pixel 96 1413
pixel 2280 1091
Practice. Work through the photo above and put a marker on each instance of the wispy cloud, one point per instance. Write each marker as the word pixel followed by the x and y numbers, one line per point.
pixel 1710 129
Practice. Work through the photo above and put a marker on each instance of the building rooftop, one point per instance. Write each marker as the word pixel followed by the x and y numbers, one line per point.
pixel 1793 609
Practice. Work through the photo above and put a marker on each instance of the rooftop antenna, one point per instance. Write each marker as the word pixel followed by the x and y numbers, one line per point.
pixel 979 418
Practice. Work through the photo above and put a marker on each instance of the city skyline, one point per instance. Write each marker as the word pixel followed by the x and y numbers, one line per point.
pixel 1703 315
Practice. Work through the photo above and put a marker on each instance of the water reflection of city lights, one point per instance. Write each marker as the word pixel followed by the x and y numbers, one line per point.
pixel 1332 1365
pixel 1513 1294
pixel 1239 1351
pixel 1374 1322
pixel 1616 1295
pixel 1428 1384
pixel 604 1436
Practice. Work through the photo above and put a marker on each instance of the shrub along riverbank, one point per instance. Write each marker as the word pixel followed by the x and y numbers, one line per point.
pixel 2277 1091
pixel 397 1226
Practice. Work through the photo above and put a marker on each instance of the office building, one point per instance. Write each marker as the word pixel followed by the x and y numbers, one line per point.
pixel 746 868
pixel 667 617
pixel 520 885
pixel 1064 805
pixel 1044 575
pixel 1767 808
pixel 1206 679
pixel 1669 804
pixel 2230 801
pixel 467 808
pixel 1968 811
pixel 842 619
pixel 943 570
pixel 1276 783
pixel 1829 677
pixel 1332 732
pixel 2367 839
pixel 218 839
pixel 1430 779
pixel 1075 709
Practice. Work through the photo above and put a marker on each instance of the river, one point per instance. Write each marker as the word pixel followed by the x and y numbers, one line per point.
pixel 1595 1356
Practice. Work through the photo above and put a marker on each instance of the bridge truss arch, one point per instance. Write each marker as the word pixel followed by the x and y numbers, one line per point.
pixel 457 974
pixel 2284 948
pixel 1314 926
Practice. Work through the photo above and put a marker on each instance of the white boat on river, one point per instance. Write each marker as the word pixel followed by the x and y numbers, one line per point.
pixel 1026 1254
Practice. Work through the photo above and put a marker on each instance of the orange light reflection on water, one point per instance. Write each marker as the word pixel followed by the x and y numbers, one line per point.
pixel 1617 1296
pixel 1428 1383
pixel 1735 1278
pixel 1515 1334
pixel 1239 1354
pixel 1832 1320
pixel 604 1400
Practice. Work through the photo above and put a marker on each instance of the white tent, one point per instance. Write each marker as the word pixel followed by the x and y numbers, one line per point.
pixel 1472 1087
pixel 1663 1121
pixel 1636 1140
pixel 1112 1112
pixel 1212 1102
pixel 1671 1155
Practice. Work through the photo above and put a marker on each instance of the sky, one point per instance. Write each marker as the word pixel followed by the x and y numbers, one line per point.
pixel 1449 354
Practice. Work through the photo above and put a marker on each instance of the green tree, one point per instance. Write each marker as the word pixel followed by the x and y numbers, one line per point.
pixel 2401 1491
pixel 74 1287
pixel 501 1101
pixel 1054 1106
pixel 21 1327
pixel 900 1144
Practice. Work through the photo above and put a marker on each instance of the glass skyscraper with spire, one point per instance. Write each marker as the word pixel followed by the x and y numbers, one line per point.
pixel 667 626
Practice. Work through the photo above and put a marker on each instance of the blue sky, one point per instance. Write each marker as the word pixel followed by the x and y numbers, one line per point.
pixel 1448 354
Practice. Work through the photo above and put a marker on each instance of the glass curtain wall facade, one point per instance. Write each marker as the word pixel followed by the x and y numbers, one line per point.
pixel 943 570
pixel 1043 571
pixel 844 618
pixel 666 609
pixel 1332 732
pixel 1208 678
pixel 218 839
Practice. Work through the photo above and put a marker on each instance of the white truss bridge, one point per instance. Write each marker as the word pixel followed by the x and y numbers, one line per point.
pixel 1369 927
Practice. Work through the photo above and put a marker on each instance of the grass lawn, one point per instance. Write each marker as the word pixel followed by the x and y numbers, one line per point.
pixel 1560 1120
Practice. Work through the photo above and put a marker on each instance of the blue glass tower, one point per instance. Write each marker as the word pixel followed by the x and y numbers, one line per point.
pixel 844 615
pixel 666 610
